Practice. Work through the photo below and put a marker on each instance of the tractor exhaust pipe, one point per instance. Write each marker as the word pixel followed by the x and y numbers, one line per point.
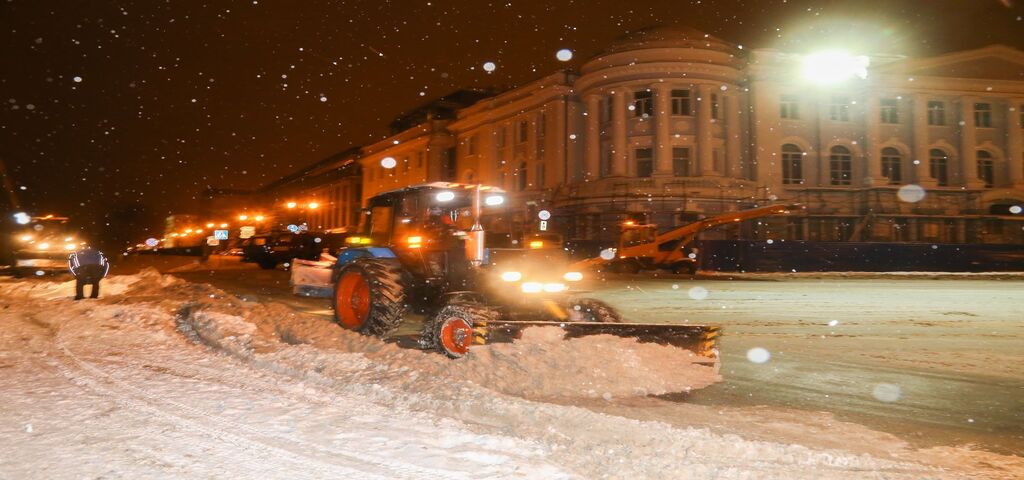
pixel 475 239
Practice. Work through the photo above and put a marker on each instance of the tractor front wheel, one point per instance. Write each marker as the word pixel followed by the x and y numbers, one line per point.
pixel 369 297
pixel 450 330
pixel 592 310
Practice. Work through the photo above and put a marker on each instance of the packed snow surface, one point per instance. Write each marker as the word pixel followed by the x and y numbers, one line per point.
pixel 164 378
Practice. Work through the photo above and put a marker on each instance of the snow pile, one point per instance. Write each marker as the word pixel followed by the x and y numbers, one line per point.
pixel 542 364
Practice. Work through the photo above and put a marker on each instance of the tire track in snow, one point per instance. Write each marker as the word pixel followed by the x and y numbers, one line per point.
pixel 395 469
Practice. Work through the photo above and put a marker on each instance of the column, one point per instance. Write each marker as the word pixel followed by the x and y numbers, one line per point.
pixel 968 145
pixel 872 154
pixel 733 133
pixel 705 154
pixel 619 153
pixel 592 157
pixel 921 173
pixel 662 129
pixel 1015 142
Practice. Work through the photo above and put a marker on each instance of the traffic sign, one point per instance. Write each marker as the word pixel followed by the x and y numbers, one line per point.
pixel 220 234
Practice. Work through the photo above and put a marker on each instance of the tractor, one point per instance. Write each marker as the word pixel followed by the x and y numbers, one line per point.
pixel 424 249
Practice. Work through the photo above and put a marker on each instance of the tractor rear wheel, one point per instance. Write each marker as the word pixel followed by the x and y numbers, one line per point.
pixel 592 310
pixel 450 330
pixel 369 296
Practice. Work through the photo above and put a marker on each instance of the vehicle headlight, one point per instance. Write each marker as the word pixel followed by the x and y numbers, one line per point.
pixel 573 276
pixel 511 276
pixel 44 246
pixel 26 238
pixel 494 200
pixel 532 287
pixel 69 247
pixel 554 287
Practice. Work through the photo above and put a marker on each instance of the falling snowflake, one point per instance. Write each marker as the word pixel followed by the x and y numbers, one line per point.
pixel 489 67
pixel 758 355
pixel 564 55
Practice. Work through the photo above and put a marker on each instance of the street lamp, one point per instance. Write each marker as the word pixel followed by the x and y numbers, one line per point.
pixel 832 67
pixel 314 205
pixel 259 218
pixel 209 225
pixel 243 217
pixel 290 204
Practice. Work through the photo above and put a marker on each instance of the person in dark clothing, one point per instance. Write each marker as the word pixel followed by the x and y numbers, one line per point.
pixel 89 266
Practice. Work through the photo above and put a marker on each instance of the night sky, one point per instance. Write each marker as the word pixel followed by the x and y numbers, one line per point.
pixel 120 113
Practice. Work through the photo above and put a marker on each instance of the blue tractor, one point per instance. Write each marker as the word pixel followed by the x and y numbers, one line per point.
pixel 446 251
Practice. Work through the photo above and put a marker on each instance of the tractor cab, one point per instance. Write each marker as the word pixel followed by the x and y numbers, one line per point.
pixel 634 233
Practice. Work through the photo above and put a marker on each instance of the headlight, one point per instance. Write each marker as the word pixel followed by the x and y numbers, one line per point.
pixel 69 239
pixel 532 287
pixel 445 196
pixel 573 276
pixel 511 276
pixel 554 287
pixel 44 246
pixel 26 238
pixel 69 247
pixel 494 200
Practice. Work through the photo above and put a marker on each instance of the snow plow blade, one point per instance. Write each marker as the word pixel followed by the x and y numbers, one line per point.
pixel 699 339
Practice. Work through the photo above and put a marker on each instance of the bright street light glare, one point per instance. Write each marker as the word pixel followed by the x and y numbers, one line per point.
pixel 832 67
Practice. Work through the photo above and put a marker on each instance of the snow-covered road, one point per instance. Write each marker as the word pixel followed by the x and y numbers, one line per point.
pixel 164 378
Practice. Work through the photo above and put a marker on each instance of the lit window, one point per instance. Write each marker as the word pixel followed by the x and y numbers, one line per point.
pixel 714 106
pixel 681 102
pixel 938 163
pixel 892 165
pixel 839 109
pixel 792 164
pixel 789 107
pixel 936 113
pixel 521 177
pixel 986 168
pixel 643 104
pixel 644 162
pixel 542 125
pixel 889 110
pixel 983 115
pixel 681 162
pixel 840 165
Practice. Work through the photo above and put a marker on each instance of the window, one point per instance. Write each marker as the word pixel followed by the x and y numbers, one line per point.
pixel 938 163
pixel 840 165
pixel 542 125
pixel 524 131
pixel 889 110
pixel 986 168
pixel 540 176
pixel 643 104
pixel 606 110
pixel 681 102
pixel 681 162
pixel 792 165
pixel 1020 108
pixel 839 109
pixel 789 107
pixel 521 177
pixel 405 164
pixel 644 162
pixel 936 113
pixel 471 145
pixel 606 160
pixel 891 165
pixel 419 159
pixel 714 106
pixel 983 115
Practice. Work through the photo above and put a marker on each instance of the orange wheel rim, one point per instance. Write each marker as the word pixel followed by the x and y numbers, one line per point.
pixel 352 300
pixel 456 336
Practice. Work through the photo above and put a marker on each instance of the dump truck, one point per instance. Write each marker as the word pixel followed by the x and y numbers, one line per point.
pixel 423 249
pixel 641 247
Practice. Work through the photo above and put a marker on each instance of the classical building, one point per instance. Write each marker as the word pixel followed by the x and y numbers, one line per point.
pixel 671 124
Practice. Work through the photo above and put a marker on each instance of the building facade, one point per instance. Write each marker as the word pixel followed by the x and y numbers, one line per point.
pixel 671 124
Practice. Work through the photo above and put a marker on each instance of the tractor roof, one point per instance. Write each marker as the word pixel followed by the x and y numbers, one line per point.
pixel 444 186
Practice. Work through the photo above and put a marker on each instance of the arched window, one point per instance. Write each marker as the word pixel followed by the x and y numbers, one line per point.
pixel 892 163
pixel 938 166
pixel 840 165
pixel 792 165
pixel 986 168
pixel 521 177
